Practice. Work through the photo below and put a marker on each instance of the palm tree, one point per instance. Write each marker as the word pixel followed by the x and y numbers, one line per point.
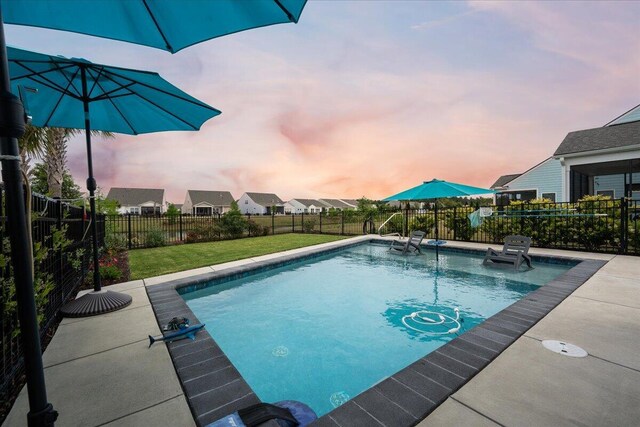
pixel 49 145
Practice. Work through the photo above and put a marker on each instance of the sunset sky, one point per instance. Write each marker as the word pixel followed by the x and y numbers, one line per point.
pixel 368 98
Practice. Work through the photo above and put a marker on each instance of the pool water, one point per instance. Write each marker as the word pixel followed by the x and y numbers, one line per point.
pixel 323 330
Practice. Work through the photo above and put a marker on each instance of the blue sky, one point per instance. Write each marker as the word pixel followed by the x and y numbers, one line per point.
pixel 371 97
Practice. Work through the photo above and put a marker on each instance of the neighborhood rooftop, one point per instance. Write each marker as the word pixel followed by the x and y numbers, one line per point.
pixel 216 198
pixel 309 202
pixel 136 196
pixel 607 137
pixel 336 203
pixel 504 179
pixel 265 199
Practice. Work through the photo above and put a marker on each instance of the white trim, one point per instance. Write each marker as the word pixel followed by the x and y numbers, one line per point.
pixel 611 190
pixel 600 151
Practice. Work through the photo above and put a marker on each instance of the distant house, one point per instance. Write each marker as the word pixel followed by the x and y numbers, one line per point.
pixel 299 206
pixel 598 161
pixel 139 201
pixel 338 204
pixel 260 204
pixel 206 203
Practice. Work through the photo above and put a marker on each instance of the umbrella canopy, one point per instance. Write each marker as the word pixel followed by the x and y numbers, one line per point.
pixel 437 189
pixel 75 93
pixel 164 24
pixel 122 100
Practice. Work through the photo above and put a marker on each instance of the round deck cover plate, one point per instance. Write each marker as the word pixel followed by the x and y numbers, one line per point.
pixel 564 348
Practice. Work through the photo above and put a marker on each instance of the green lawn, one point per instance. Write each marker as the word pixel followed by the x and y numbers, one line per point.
pixel 169 259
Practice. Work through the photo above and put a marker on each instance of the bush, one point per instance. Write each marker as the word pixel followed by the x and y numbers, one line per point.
pixel 203 233
pixel 423 223
pixel 233 223
pixel 115 242
pixel 155 238
pixel 308 225
pixel 110 272
pixel 256 229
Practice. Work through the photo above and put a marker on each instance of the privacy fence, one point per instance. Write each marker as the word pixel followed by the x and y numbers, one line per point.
pixel 62 253
pixel 611 226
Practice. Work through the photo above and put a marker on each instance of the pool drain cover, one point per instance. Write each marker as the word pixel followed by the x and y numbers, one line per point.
pixel 280 351
pixel 564 348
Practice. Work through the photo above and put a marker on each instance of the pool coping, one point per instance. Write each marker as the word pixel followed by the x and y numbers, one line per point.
pixel 214 387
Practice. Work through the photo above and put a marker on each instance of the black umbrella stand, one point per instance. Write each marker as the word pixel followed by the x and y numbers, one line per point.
pixel 12 124
pixel 98 301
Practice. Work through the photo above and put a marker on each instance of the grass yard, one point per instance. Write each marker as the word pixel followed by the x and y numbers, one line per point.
pixel 170 259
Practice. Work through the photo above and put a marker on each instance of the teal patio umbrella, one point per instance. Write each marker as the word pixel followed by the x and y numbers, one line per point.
pixel 437 189
pixel 176 24
pixel 76 93
pixel 170 25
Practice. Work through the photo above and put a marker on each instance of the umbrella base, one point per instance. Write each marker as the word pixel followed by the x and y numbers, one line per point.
pixel 95 303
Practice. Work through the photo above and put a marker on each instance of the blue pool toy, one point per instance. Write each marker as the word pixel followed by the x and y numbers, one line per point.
pixel 287 413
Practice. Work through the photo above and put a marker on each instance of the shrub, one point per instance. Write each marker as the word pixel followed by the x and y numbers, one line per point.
pixel 154 238
pixel 172 213
pixel 203 233
pixel 308 225
pixel 233 223
pixel 110 272
pixel 115 242
pixel 256 229
pixel 422 222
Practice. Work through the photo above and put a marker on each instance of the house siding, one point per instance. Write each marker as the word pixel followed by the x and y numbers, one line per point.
pixel 545 178
pixel 248 206
pixel 612 182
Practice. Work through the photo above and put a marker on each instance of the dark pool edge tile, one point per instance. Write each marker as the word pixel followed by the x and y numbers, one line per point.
pixel 502 332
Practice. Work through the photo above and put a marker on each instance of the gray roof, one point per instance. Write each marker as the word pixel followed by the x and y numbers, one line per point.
pixel 335 203
pixel 353 202
pixel 308 202
pixel 505 179
pixel 214 198
pixel 136 196
pixel 615 136
pixel 265 199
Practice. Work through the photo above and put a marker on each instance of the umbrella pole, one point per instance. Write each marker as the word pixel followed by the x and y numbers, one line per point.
pixel 91 185
pixel 436 221
pixel 12 123
pixel 98 301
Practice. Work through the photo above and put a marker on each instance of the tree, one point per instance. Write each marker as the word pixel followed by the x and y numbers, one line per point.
pixel 39 183
pixel 232 222
pixel 172 213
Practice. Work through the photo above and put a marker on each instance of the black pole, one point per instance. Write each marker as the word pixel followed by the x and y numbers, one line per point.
pixel 12 123
pixel 436 220
pixel 91 183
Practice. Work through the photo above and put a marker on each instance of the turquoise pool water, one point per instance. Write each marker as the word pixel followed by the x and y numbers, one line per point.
pixel 324 330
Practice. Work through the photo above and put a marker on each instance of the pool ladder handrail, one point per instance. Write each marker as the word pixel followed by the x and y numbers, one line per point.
pixel 385 223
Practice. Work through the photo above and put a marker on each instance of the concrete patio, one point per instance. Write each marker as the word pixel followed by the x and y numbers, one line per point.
pixel 99 370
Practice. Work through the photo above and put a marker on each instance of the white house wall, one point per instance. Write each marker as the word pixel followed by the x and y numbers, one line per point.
pixel 544 178
pixel 248 206
pixel 187 206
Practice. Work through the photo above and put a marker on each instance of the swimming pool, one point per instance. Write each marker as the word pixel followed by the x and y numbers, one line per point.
pixel 325 329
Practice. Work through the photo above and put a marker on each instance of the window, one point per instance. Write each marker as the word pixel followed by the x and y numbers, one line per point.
pixel 605 193
pixel 246 202
pixel 550 196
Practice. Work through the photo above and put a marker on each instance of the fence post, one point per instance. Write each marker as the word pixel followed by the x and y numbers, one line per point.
pixel 273 222
pixel 405 231
pixel 320 216
pixel 455 222
pixel 59 274
pixel 129 229
pixel 623 226
pixel 342 225
pixel 302 220
pixel 293 223
pixel 522 218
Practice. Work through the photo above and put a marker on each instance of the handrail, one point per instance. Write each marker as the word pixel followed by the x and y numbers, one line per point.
pixel 385 223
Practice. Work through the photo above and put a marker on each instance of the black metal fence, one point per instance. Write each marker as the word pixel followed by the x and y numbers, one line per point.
pixel 611 226
pixel 62 253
